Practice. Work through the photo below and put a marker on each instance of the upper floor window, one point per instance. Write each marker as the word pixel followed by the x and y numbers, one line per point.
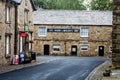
pixel 84 32
pixel 26 11
pixel 7 14
pixel 42 31
pixel 1 17
pixel 26 2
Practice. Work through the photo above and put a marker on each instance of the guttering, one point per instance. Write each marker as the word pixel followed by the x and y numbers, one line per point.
pixel 18 2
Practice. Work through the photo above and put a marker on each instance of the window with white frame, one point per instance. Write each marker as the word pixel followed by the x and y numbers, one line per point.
pixel 26 11
pixel 30 39
pixel 7 14
pixel 42 31
pixel 110 48
pixel 84 32
pixel 7 45
pixel 84 47
pixel 56 47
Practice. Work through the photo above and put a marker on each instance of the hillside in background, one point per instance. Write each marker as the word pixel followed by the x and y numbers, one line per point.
pixel 75 4
pixel 61 4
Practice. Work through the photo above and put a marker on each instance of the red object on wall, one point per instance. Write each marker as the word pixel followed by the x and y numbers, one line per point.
pixel 23 35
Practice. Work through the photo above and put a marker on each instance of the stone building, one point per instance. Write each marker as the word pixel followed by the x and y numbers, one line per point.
pixel 7 19
pixel 14 15
pixel 79 33
pixel 25 25
pixel 116 34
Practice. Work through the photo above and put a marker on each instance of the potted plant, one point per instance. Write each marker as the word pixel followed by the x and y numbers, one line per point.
pixel 27 41
pixel 31 41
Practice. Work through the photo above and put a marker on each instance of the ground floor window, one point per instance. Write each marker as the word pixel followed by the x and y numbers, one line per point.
pixel 30 43
pixel 25 41
pixel 56 47
pixel 21 44
pixel 110 49
pixel 84 47
pixel 7 45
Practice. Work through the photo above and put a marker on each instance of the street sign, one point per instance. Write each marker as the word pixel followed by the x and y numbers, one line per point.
pixel 26 28
pixel 23 35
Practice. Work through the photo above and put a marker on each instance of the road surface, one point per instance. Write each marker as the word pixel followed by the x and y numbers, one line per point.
pixel 56 68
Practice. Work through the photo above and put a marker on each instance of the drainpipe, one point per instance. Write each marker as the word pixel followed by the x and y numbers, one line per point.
pixel 16 30
pixel 16 3
pixel 65 47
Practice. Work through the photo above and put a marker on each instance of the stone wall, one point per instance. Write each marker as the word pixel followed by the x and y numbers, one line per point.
pixel 26 4
pixel 25 17
pixel 98 36
pixel 6 29
pixel 116 34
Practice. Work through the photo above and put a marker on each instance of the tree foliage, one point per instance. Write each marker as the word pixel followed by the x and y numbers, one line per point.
pixel 75 4
pixel 101 4
pixel 61 4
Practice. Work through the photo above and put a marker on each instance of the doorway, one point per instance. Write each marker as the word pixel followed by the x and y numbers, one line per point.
pixel 46 50
pixel 101 50
pixel 74 50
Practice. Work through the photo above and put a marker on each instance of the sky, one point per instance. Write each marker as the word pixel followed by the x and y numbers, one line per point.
pixel 86 2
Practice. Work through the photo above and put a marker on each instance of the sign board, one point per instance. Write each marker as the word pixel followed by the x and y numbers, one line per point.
pixel 64 30
pixel 23 34
pixel 26 28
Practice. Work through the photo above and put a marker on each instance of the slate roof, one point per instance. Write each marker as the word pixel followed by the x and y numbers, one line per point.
pixel 72 17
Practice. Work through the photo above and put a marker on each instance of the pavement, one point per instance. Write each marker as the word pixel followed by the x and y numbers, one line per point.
pixel 8 68
pixel 96 74
pixel 115 75
pixel 40 60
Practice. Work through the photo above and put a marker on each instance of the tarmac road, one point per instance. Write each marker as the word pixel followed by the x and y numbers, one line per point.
pixel 56 68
